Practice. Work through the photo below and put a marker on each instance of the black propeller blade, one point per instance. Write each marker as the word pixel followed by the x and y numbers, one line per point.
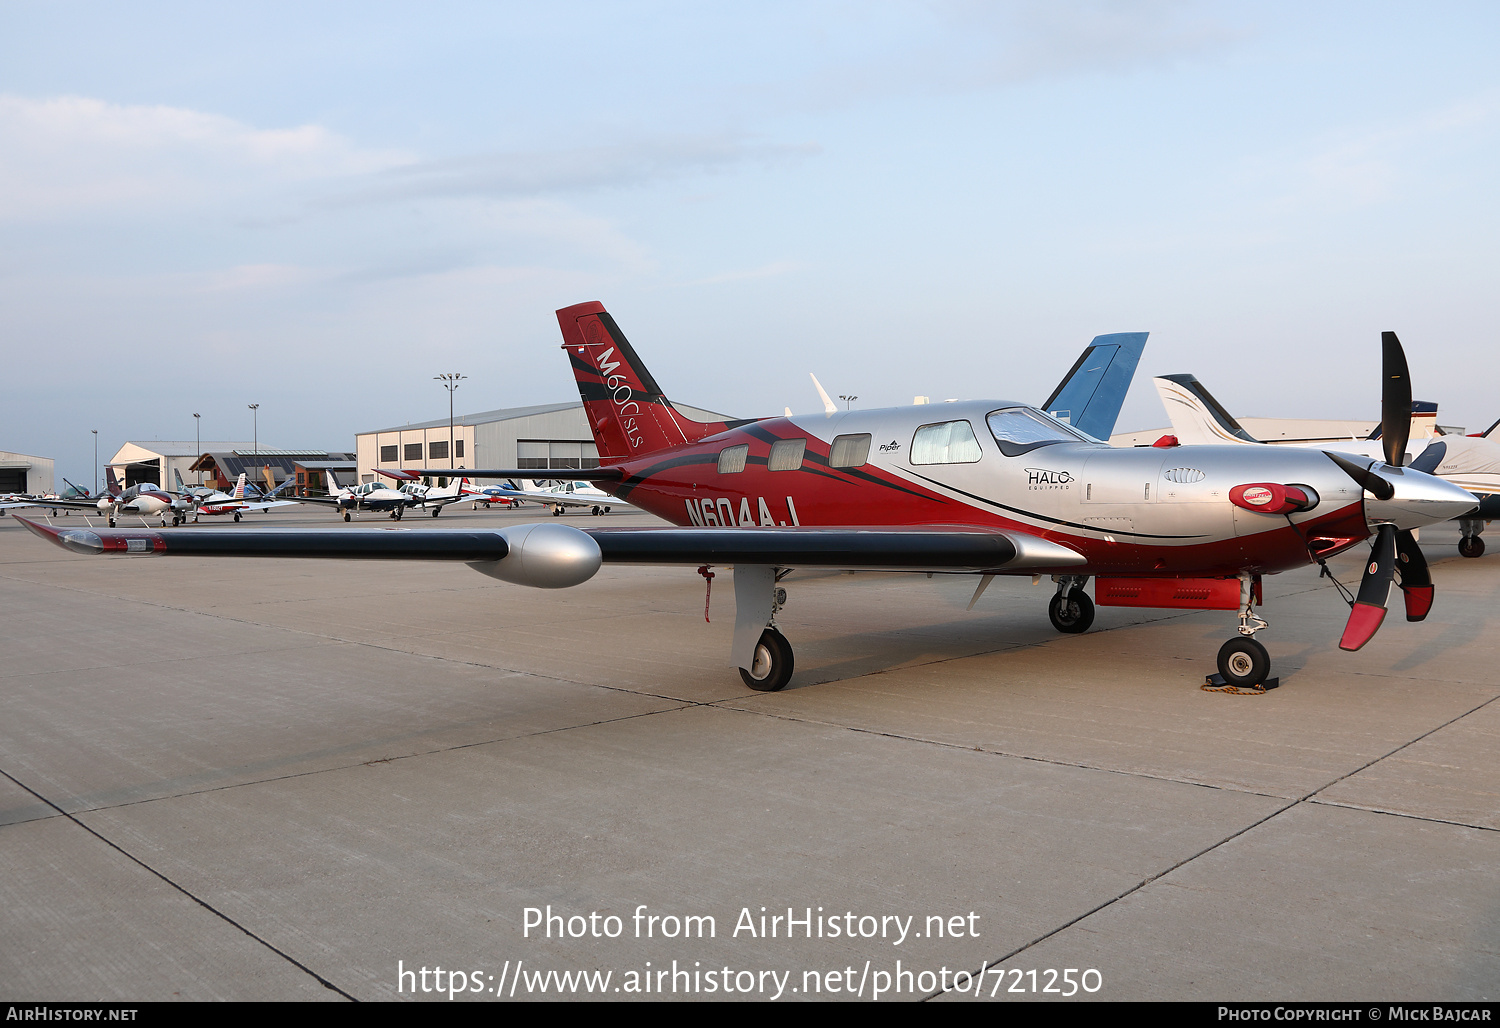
pixel 1395 400
pixel 1373 483
pixel 1374 590
pixel 1416 581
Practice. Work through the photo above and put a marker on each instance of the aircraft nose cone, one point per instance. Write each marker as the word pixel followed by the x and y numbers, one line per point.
pixel 1420 499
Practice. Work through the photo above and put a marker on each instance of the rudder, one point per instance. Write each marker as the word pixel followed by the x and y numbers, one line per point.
pixel 627 410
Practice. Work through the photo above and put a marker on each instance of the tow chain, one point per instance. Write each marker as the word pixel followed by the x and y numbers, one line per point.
pixel 708 592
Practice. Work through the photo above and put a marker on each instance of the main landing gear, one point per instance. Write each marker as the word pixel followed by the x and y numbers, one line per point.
pixel 760 651
pixel 1471 545
pixel 1243 662
pixel 346 515
pixel 1070 608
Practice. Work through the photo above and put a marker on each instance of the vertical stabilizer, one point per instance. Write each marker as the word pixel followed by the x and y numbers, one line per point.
pixel 1197 418
pixel 626 409
pixel 1092 392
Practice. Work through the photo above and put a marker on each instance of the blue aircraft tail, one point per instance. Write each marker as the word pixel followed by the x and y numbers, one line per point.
pixel 1091 394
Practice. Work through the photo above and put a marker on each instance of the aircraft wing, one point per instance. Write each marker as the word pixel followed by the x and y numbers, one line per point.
pixel 566 499
pixel 70 504
pixel 326 501
pixel 541 474
pixel 957 549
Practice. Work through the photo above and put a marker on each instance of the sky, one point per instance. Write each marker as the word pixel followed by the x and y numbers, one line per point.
pixel 318 207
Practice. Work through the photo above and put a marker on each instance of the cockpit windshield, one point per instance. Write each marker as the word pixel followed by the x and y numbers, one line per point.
pixel 1019 429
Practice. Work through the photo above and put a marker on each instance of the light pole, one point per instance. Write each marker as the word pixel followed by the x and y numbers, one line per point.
pixel 96 460
pixel 198 448
pixel 255 427
pixel 450 382
pixel 848 401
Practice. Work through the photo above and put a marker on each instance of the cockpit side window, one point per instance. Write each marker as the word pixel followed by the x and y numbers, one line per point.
pixel 1019 429
pixel 951 442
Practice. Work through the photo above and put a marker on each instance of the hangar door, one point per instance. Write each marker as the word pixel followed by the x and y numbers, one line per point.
pixel 12 480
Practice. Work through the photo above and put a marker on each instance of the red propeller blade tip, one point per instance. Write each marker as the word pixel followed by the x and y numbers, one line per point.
pixel 1364 622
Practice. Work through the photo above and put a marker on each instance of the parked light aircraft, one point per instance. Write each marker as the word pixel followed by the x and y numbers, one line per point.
pixel 237 502
pixel 981 488
pixel 1469 462
pixel 419 495
pixel 145 499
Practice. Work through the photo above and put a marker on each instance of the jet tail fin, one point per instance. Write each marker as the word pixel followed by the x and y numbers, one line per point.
pixel 1197 418
pixel 627 411
pixel 1090 395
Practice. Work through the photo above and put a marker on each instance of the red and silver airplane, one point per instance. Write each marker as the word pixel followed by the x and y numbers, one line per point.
pixel 979 488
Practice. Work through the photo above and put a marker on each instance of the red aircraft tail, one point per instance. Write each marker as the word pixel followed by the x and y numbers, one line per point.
pixel 625 407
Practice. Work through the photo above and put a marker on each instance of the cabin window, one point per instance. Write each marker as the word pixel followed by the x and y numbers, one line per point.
pixel 786 454
pixel 732 459
pixel 951 442
pixel 388 454
pixel 849 451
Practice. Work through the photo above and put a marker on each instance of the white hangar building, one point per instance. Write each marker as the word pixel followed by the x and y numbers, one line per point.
pixel 24 473
pixel 549 436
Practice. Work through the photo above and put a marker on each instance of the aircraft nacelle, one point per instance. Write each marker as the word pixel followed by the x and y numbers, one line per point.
pixel 544 556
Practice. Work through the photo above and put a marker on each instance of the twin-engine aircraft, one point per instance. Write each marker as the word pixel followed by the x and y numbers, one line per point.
pixel 979 488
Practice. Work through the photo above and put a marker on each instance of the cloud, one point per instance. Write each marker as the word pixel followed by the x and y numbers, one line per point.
pixel 75 155
pixel 536 172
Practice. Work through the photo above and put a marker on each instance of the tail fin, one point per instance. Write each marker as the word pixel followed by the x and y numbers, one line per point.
pixel 177 475
pixel 829 407
pixel 333 483
pixel 239 487
pixel 626 409
pixel 1197 418
pixel 1090 395
pixel 114 486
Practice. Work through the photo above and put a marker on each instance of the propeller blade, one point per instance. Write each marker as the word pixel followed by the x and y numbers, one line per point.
pixel 1374 591
pixel 1373 483
pixel 1395 400
pixel 1416 581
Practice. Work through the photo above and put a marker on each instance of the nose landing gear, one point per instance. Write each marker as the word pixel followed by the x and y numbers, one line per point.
pixel 1243 662
pixel 1471 545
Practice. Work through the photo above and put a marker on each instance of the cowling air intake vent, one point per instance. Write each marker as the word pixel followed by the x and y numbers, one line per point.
pixel 1184 476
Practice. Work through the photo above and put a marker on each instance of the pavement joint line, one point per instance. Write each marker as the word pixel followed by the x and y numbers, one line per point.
pixel 1306 799
pixel 1400 813
pixel 196 899
pixel 724 705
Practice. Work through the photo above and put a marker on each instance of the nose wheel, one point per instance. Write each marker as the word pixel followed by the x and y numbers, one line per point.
pixel 1244 663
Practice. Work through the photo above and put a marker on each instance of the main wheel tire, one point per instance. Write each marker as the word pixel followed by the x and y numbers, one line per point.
pixel 236 515
pixel 436 511
pixel 1243 661
pixel 1471 547
pixel 771 668
pixel 1074 615
pixel 346 515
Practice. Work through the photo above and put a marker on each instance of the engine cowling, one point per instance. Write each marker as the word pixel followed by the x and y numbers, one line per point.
pixel 544 556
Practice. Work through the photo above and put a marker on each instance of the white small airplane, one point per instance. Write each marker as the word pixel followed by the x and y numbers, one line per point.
pixel 236 502
pixel 1470 462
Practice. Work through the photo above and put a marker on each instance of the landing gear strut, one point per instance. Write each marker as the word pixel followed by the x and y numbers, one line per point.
pixel 760 651
pixel 1070 608
pixel 1471 545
